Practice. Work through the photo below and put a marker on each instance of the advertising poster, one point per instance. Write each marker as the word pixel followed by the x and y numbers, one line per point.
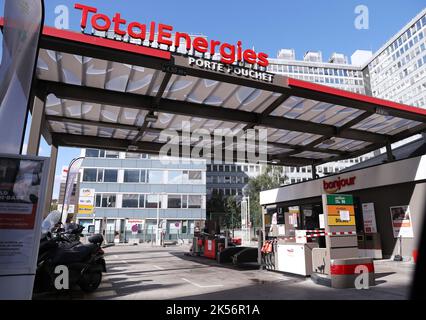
pixel 86 201
pixel 369 217
pixel 401 222
pixel 22 187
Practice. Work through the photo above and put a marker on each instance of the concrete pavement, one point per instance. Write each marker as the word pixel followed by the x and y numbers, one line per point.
pixel 146 272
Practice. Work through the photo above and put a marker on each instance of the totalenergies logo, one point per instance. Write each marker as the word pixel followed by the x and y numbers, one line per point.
pixel 229 53
pixel 335 185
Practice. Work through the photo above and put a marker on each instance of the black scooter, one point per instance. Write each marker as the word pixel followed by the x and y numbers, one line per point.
pixel 85 262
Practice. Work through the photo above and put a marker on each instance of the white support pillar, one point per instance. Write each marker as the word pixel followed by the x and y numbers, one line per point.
pixel 36 123
pixel 50 179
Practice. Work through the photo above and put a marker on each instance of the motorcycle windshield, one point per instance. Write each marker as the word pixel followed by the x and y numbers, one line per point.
pixel 50 221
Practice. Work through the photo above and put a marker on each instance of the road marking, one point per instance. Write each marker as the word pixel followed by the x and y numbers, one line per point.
pixel 157 267
pixel 200 286
pixel 105 285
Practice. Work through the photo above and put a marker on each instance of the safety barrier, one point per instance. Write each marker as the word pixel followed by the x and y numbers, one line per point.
pixel 344 272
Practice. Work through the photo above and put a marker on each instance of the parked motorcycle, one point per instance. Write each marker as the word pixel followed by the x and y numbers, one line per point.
pixel 85 262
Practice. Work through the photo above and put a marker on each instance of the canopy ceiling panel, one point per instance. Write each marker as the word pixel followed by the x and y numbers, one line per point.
pixel 128 93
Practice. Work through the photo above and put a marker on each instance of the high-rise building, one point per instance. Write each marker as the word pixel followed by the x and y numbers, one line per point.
pixel 139 189
pixel 397 71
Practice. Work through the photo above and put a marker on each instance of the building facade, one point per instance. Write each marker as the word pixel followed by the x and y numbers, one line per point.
pixel 139 189
pixel 229 179
pixel 397 72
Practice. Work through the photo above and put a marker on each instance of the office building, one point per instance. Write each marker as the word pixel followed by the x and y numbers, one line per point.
pixel 141 189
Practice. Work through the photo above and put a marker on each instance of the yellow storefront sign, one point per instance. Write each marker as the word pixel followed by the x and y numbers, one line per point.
pixel 85 209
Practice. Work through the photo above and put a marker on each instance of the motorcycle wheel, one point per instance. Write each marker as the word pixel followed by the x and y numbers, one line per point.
pixel 89 282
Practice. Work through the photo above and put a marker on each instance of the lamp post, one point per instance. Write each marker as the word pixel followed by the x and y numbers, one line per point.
pixel 158 234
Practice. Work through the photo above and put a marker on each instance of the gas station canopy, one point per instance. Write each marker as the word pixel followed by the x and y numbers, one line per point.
pixel 108 94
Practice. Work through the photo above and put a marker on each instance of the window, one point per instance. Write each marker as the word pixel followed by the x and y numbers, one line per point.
pixel 155 176
pixel 193 175
pixel 194 201
pixel 174 201
pixel 175 177
pixel 92 153
pixel 105 200
pixel 110 175
pixel 152 201
pixel 130 201
pixel 131 155
pixel 131 175
pixel 89 175
pixel 112 154
pixel 141 201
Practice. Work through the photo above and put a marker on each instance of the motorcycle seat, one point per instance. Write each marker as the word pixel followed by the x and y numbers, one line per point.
pixel 75 254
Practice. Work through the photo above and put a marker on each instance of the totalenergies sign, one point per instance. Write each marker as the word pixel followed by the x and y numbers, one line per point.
pixel 229 53
pixel 335 185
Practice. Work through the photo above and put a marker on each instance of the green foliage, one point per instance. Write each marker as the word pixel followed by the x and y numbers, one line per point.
pixel 271 177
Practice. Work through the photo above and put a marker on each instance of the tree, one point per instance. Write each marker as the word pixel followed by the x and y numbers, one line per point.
pixel 271 177
pixel 224 210
pixel 232 213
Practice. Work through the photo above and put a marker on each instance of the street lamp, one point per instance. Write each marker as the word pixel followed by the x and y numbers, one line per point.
pixel 158 235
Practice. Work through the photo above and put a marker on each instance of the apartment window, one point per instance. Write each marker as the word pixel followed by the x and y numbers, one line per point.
pixel 174 201
pixel 110 175
pixel 152 201
pixel 194 201
pixel 155 176
pixel 89 175
pixel 105 200
pixel 131 175
pixel 130 201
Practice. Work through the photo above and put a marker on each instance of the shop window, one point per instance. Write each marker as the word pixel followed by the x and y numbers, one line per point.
pixel 89 175
pixel 174 201
pixel 130 201
pixel 131 175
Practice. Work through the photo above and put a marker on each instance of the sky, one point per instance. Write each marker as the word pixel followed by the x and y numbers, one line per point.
pixel 322 25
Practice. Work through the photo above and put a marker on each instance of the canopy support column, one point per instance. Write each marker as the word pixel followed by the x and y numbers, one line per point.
pixel 390 156
pixel 50 178
pixel 36 126
pixel 314 172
